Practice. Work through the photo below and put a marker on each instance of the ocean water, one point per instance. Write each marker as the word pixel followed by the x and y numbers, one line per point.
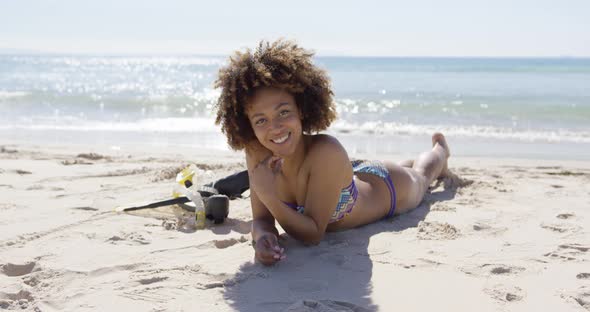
pixel 512 107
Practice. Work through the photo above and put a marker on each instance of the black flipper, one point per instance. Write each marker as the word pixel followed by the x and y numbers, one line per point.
pixel 232 186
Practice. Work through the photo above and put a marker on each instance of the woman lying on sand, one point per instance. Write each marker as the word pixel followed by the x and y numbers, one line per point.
pixel 272 102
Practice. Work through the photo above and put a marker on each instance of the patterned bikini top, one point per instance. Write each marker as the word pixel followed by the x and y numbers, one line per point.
pixel 346 202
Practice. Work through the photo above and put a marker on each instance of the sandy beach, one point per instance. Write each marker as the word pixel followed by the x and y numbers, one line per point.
pixel 506 235
pixel 103 103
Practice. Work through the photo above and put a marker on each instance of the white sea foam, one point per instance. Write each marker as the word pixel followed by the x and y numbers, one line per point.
pixel 207 125
pixel 5 95
pixel 73 123
pixel 474 131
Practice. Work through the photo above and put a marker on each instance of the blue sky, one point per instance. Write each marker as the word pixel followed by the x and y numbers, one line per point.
pixel 371 28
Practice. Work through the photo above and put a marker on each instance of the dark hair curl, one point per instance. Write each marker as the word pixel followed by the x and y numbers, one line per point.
pixel 281 64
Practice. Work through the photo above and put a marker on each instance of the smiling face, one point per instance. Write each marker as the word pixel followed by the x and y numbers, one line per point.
pixel 275 119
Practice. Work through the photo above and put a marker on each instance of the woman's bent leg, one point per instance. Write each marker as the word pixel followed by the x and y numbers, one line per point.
pixel 412 183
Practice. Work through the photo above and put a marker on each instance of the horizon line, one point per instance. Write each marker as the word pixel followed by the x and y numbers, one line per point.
pixel 9 52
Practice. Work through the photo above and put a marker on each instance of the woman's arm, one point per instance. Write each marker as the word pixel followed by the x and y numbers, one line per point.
pixel 264 232
pixel 262 220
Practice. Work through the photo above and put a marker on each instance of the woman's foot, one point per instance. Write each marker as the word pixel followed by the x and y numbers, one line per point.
pixel 439 144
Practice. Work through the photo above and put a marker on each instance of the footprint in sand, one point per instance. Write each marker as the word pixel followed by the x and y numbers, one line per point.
pixel 489 269
pixel 130 239
pixel 568 252
pixel 11 269
pixel 44 279
pixel 580 297
pixel 17 300
pixel 93 156
pixel 499 186
pixel 561 227
pixel 565 215
pixel 565 173
pixel 505 293
pixel 502 269
pixel 213 285
pixel 481 227
pixel 151 280
pixel 437 231
pixel 325 306
pixel 31 281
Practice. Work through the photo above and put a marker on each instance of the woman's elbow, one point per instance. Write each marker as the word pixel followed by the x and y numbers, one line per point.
pixel 313 240
pixel 311 235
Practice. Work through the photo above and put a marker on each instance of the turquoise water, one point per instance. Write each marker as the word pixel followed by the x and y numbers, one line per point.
pixel 545 102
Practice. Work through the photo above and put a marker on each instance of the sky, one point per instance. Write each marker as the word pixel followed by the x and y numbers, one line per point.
pixel 500 28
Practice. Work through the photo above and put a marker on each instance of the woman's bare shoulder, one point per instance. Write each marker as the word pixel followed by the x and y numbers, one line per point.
pixel 327 148
pixel 328 161
pixel 326 143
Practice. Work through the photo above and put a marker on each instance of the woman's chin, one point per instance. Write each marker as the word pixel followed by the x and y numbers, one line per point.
pixel 282 152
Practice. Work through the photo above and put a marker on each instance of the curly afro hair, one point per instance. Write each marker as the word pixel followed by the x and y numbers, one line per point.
pixel 281 64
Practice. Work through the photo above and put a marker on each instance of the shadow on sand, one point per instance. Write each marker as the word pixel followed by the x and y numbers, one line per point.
pixel 333 276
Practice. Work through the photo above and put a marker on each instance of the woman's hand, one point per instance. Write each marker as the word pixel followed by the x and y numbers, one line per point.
pixel 267 249
pixel 263 176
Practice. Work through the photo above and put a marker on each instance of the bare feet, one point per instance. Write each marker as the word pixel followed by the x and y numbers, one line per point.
pixel 440 143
